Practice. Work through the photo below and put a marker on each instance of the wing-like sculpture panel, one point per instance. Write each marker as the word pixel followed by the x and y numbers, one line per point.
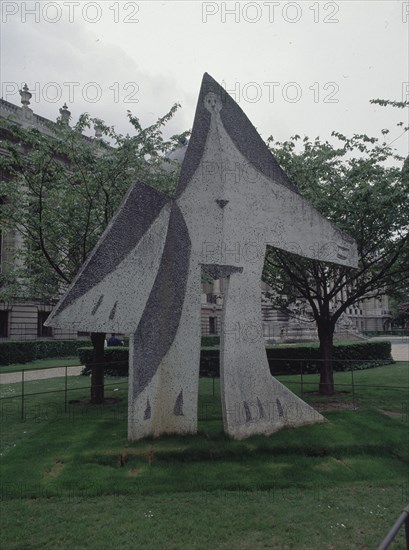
pixel 111 289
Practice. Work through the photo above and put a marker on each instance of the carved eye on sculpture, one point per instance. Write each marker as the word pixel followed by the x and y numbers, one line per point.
pixel 213 102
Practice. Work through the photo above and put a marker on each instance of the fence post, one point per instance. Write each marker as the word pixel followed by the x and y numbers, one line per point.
pixel 353 386
pixel 302 379
pixel 22 394
pixel 402 519
pixel 66 389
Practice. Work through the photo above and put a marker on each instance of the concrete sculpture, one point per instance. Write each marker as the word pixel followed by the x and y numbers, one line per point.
pixel 144 277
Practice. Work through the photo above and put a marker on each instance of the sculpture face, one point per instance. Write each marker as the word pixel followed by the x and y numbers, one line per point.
pixel 144 276
pixel 213 102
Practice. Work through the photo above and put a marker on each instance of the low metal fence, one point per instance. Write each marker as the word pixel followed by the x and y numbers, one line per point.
pixel 65 372
pixel 346 391
pixel 402 519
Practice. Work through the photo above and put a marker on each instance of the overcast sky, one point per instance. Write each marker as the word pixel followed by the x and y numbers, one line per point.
pixel 295 67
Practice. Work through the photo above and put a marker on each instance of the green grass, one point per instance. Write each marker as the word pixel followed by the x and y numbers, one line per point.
pixel 294 489
pixel 352 518
pixel 381 387
pixel 41 364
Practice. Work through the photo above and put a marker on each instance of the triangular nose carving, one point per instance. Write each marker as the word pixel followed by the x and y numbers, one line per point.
pixel 221 203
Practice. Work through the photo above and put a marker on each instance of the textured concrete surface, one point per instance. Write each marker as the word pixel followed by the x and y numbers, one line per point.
pixel 143 278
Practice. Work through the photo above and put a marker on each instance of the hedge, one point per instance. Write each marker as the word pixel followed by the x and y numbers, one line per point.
pixel 24 351
pixel 282 360
pixel 362 355
pixel 210 341
pixel 115 360
pixel 393 332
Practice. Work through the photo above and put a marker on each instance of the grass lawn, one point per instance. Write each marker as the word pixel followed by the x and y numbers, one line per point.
pixel 70 478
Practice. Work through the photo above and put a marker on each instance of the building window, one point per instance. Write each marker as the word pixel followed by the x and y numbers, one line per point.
pixel 212 325
pixel 4 324
pixel 212 298
pixel 42 331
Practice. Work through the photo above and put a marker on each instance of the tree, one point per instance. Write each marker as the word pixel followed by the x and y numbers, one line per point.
pixel 63 188
pixel 59 190
pixel 399 305
pixel 404 314
pixel 360 188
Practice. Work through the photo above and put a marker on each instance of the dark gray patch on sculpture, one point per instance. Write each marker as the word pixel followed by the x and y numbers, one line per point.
pixel 138 211
pixel 217 271
pixel 160 319
pixel 279 408
pixel 148 411
pixel 222 203
pixel 113 311
pixel 245 136
pixel 247 412
pixel 260 409
pixel 96 307
pixel 178 408
pixel 197 142
pixel 341 257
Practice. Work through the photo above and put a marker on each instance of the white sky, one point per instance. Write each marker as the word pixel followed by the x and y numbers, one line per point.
pixel 345 51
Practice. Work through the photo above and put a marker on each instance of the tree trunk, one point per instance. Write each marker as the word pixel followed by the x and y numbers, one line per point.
pixel 326 336
pixel 97 371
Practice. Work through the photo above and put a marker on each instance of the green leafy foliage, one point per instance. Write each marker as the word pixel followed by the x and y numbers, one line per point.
pixel 294 360
pixel 210 341
pixel 282 360
pixel 362 185
pixel 116 359
pixel 24 351
pixel 61 188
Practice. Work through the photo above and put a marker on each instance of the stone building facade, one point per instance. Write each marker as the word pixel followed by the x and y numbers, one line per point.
pixel 22 318
pixel 369 315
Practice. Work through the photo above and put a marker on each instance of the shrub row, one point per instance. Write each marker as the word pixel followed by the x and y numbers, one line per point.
pixel 393 332
pixel 24 351
pixel 282 360
pixel 362 355
pixel 115 360
pixel 210 341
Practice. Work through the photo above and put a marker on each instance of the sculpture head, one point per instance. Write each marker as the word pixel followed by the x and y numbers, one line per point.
pixel 234 195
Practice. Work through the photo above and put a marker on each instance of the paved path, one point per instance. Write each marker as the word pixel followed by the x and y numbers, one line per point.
pixel 400 352
pixel 400 346
pixel 42 374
